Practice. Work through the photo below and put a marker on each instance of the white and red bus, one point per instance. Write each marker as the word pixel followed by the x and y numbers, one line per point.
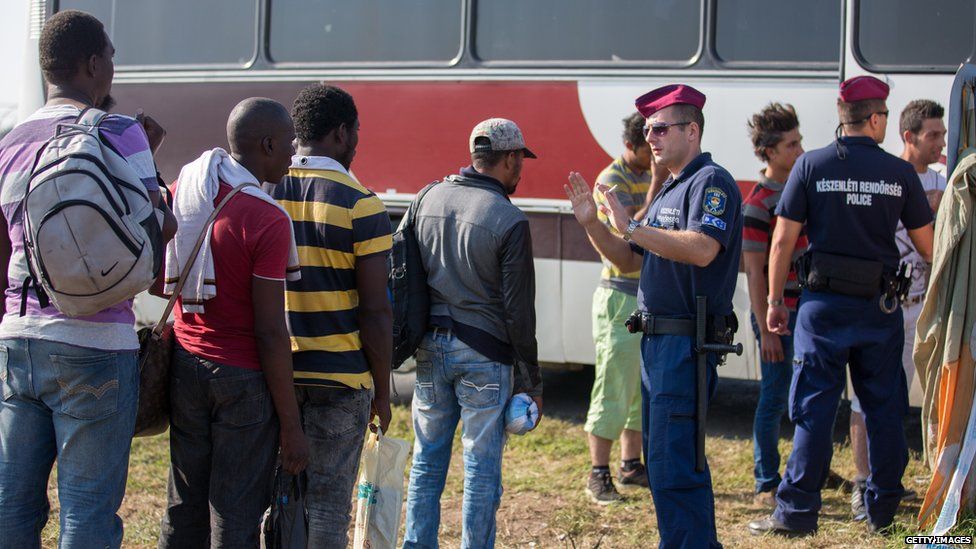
pixel 423 72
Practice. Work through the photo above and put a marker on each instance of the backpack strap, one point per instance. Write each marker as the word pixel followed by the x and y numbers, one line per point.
pixel 90 116
pixel 158 329
pixel 415 205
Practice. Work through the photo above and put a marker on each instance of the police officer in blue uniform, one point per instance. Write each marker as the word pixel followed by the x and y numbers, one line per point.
pixel 687 246
pixel 851 195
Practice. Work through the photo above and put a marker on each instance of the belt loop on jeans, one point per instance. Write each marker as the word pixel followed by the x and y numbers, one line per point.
pixel 437 330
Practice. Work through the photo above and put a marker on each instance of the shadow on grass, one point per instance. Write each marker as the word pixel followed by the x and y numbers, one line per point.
pixel 730 414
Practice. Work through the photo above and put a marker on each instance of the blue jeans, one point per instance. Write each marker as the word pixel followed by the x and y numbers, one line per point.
pixel 774 393
pixel 335 423
pixel 75 405
pixel 454 382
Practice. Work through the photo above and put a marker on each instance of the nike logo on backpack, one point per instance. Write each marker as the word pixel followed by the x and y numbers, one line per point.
pixel 105 272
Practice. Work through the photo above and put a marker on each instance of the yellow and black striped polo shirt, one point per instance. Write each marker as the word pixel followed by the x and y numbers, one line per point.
pixel 337 222
pixel 631 191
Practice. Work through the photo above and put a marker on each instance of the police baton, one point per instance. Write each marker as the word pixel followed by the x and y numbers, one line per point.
pixel 702 348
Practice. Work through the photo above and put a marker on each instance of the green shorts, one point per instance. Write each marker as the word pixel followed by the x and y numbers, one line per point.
pixel 615 403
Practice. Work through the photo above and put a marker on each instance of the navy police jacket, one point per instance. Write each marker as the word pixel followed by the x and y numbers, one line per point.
pixel 703 198
pixel 851 195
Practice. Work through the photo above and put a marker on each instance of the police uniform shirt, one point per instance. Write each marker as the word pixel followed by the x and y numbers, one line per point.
pixel 851 196
pixel 703 198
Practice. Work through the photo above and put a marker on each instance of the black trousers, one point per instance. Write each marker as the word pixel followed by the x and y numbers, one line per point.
pixel 223 449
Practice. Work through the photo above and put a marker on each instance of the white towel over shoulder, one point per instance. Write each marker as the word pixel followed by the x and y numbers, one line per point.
pixel 197 187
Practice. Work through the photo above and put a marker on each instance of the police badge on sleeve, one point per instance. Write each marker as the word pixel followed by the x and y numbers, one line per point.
pixel 714 206
pixel 715 200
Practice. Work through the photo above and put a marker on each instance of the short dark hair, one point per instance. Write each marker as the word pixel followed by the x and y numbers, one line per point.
pixel 69 38
pixel 321 108
pixel 766 127
pixel 691 113
pixel 856 113
pixel 634 130
pixel 917 112
pixel 486 160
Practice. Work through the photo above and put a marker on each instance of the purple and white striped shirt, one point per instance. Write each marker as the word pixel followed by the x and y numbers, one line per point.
pixel 111 329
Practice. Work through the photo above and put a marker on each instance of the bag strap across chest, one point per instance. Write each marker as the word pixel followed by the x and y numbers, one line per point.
pixel 158 329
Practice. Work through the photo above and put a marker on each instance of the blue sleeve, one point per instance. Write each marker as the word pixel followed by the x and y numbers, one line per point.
pixel 793 203
pixel 916 212
pixel 713 208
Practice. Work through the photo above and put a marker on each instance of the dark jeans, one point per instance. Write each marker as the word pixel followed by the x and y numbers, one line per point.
pixel 223 447
pixel 335 423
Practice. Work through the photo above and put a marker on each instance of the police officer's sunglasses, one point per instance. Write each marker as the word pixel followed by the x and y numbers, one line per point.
pixel 660 129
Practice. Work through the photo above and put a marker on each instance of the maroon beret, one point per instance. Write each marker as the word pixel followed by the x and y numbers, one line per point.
pixel 862 88
pixel 665 96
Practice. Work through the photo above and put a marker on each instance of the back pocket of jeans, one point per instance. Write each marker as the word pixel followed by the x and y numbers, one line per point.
pixel 479 386
pixel 6 391
pixel 343 412
pixel 424 382
pixel 241 400
pixel 89 384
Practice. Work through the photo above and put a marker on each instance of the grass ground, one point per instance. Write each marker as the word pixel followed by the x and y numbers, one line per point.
pixel 544 504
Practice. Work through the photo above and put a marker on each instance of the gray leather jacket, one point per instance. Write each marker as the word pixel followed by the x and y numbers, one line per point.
pixel 477 250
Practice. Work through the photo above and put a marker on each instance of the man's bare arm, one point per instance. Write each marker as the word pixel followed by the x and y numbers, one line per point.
pixel 614 248
pixel 274 353
pixel 375 320
pixel 922 238
pixel 690 247
pixel 169 231
pixel 780 257
pixel 755 263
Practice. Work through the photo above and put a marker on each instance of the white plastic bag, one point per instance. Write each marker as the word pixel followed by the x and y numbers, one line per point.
pixel 379 494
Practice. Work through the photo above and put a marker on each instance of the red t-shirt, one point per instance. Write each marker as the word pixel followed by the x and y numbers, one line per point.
pixel 250 238
pixel 759 223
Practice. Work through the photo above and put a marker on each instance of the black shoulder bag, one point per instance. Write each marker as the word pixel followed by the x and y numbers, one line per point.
pixel 408 286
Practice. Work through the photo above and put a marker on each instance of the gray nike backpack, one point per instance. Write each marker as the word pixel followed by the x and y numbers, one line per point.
pixel 91 234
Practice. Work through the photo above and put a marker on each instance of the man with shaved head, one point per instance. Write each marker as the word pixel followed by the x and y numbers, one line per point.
pixel 231 380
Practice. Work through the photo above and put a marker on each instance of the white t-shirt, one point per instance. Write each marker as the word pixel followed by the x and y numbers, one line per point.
pixel 931 181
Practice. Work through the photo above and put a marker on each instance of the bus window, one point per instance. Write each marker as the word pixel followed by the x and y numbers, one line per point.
pixel 176 32
pixel 936 35
pixel 666 31
pixel 336 31
pixel 749 32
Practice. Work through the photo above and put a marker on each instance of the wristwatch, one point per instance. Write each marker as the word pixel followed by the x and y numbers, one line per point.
pixel 631 227
pixel 774 302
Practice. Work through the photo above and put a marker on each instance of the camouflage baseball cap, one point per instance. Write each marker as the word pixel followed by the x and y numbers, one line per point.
pixel 501 134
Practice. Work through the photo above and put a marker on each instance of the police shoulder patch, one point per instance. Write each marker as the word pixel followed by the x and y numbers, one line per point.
pixel 713 221
pixel 715 200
